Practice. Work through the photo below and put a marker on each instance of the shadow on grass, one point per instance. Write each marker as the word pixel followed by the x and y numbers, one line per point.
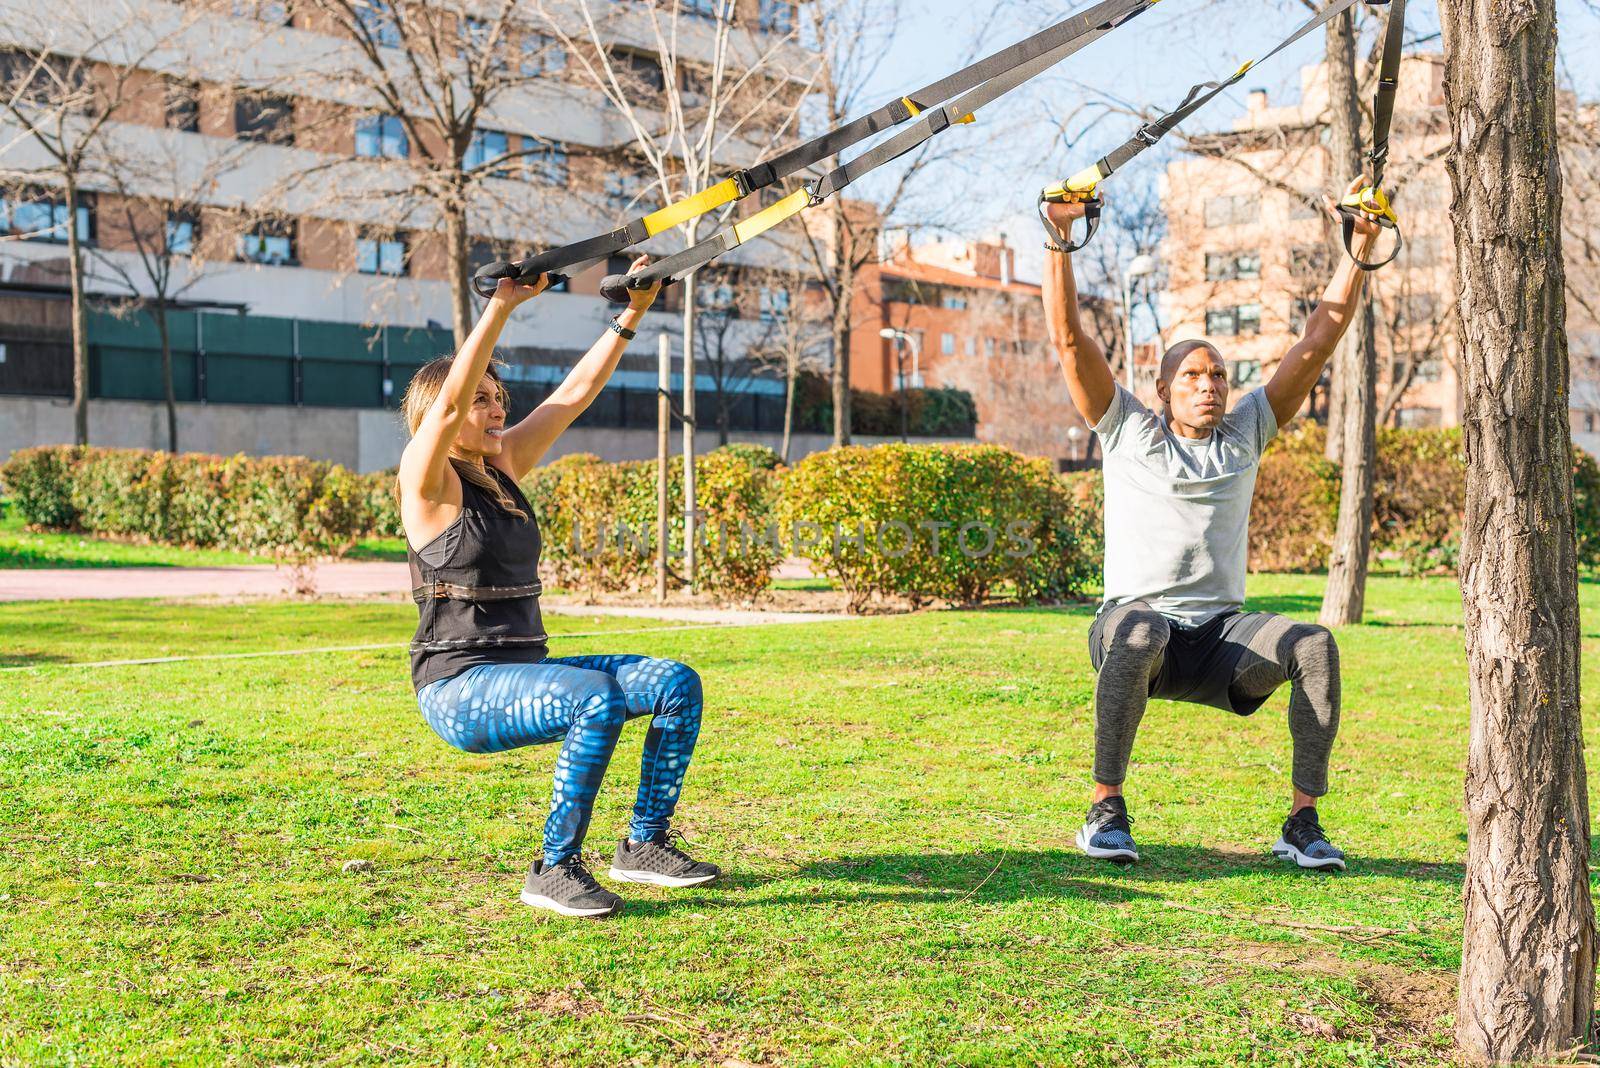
pixel 1284 603
pixel 1001 876
pixel 23 660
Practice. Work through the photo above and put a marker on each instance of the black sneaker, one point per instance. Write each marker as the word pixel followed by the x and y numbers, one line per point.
pixel 1304 842
pixel 660 863
pixel 1106 833
pixel 569 889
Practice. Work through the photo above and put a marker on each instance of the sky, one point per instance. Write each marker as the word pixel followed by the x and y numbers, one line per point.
pixel 1151 61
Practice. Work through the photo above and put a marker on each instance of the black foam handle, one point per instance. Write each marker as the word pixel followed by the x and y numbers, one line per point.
pixel 487 278
pixel 614 287
pixel 1091 218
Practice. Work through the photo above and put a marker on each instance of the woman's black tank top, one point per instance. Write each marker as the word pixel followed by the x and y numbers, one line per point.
pixel 477 589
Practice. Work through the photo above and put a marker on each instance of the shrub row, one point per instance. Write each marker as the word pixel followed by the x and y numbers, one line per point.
pixel 283 505
pixel 947 413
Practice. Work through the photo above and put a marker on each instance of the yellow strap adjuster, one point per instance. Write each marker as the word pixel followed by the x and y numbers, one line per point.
pixel 771 216
pixel 1373 202
pixel 724 192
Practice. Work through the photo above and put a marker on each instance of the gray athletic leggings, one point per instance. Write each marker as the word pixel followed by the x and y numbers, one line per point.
pixel 1137 643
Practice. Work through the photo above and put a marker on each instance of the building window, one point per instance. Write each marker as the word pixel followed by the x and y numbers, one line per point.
pixel 1227 266
pixel 269 119
pixel 182 230
pixel 954 301
pixel 1232 210
pixel 269 245
pixel 548 163
pixel 1231 322
pixel 1430 369
pixel 1417 308
pixel 988 348
pixel 487 145
pixel 639 71
pixel 542 54
pixel 381 256
pixel 1419 417
pixel 182 105
pixel 947 344
pixel 717 298
pixel 272 12
pixel 619 197
pixel 1299 311
pixel 701 9
pixel 381 137
pixel 972 346
pixel 1310 261
pixel 774 304
pixel 378 22
pixel 1246 374
pixel 776 16
pixel 43 217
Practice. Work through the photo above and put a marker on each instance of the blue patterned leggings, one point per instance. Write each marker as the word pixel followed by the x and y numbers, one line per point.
pixel 583 700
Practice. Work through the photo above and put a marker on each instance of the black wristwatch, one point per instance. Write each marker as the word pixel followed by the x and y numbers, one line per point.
pixel 622 331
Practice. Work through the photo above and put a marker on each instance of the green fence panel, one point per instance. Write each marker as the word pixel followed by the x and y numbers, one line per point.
pixel 249 379
pixel 339 384
pixel 137 329
pixel 340 341
pixel 417 345
pixel 247 335
pixel 135 374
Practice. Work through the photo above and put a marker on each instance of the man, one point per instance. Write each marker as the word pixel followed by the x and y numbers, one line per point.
pixel 1178 485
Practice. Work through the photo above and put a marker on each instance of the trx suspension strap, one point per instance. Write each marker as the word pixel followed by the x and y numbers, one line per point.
pixel 572 259
pixel 1029 59
pixel 1373 200
pixel 1084 186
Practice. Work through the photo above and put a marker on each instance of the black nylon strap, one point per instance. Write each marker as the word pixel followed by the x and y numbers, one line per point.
pixel 1201 95
pixel 1039 53
pixel 1382 120
pixel 450 591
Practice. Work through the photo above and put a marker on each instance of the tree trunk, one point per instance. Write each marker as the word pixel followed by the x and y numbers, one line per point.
pixel 1528 955
pixel 844 294
pixel 1344 162
pixel 457 251
pixel 1344 598
pixel 80 318
pixel 1353 393
pixel 163 329
pixel 791 372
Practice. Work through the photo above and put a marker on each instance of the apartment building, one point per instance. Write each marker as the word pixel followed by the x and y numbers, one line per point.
pixel 1248 252
pixel 307 275
pixel 967 322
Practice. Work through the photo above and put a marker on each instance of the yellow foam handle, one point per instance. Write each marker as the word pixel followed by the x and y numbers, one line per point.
pixel 1080 186
pixel 724 192
pixel 768 217
pixel 1373 202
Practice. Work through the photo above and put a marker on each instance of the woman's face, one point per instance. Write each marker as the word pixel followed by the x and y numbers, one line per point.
pixel 486 421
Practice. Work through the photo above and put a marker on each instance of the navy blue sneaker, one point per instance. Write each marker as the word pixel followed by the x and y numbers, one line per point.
pixel 1106 834
pixel 1304 842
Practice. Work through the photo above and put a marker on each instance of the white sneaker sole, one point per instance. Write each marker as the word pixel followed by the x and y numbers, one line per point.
pixel 657 879
pixel 1124 856
pixel 539 901
pixel 1284 851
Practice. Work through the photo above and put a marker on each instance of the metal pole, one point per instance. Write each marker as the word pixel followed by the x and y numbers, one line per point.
pixel 689 526
pixel 663 446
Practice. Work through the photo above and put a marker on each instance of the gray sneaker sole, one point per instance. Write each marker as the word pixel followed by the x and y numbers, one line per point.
pixel 1284 850
pixel 539 901
pixel 1120 856
pixel 655 878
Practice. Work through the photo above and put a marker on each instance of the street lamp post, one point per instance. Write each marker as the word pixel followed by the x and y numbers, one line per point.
pixel 900 338
pixel 1143 266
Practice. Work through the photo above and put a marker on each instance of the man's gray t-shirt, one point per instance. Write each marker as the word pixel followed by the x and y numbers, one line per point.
pixel 1178 510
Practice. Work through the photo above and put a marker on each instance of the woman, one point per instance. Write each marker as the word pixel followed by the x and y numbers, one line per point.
pixel 478 659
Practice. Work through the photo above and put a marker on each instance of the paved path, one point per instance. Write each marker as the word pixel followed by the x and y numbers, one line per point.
pixel 331 579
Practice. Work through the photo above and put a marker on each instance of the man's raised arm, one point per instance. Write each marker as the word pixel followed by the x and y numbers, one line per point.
pixel 1083 361
pixel 1302 365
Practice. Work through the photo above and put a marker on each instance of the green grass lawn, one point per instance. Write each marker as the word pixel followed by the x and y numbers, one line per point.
pixel 894 799
pixel 24 548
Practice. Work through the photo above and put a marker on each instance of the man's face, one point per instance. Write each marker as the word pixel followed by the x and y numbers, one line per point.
pixel 1197 393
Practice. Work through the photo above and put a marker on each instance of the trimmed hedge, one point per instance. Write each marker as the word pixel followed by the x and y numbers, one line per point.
pixel 955 522
pixel 284 506
pixel 598 520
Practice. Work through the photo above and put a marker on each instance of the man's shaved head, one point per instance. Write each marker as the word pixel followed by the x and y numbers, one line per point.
pixel 1174 357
